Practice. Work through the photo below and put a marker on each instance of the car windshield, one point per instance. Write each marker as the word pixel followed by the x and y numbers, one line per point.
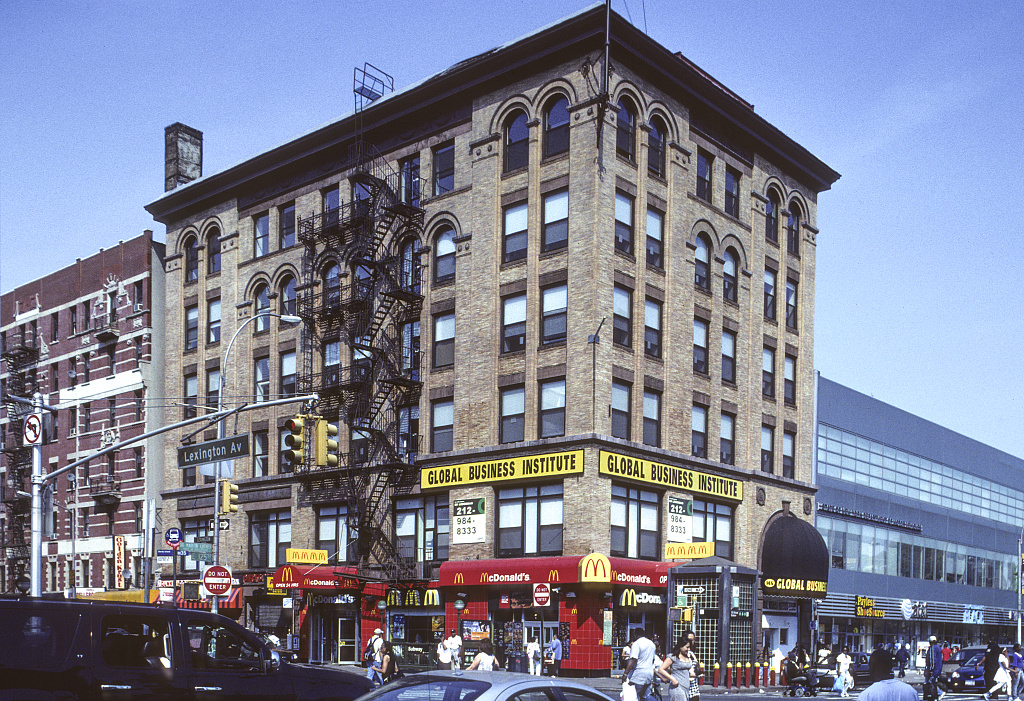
pixel 427 688
pixel 974 661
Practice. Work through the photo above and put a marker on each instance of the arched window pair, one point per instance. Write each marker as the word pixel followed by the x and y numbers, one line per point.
pixel 516 133
pixel 288 302
pixel 625 138
pixel 730 269
pixel 192 255
pixel 793 219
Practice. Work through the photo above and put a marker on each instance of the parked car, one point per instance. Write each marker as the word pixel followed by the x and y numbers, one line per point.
pixel 483 686
pixel 858 668
pixel 111 651
pixel 970 676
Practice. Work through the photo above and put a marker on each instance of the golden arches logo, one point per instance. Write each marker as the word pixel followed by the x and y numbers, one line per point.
pixel 628 598
pixel 553 576
pixel 459 579
pixel 412 597
pixel 394 597
pixel 483 577
pixel 431 598
pixel 595 567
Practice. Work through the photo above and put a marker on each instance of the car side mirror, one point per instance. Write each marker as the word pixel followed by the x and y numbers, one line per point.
pixel 274 662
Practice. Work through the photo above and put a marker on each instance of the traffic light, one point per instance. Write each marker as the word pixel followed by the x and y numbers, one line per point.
pixel 326 443
pixel 228 497
pixel 294 441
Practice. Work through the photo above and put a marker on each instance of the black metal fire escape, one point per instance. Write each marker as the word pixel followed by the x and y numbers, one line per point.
pixel 365 390
pixel 21 355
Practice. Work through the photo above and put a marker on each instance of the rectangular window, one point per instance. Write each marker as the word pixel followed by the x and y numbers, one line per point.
pixel 768 373
pixel 260 453
pixel 788 455
pixel 769 294
pixel 556 221
pixel 411 350
pixel 138 461
pixel 422 526
pixel 409 181
pixel 409 432
pixel 262 379
pixel 652 418
pixel 513 415
pixel 530 521
pixel 54 377
pixel 54 327
pixel 789 380
pixel 513 324
pixel 442 426
pixel 444 168
pixel 551 419
pixel 139 405
pixel 700 346
pixel 286 224
pixel 732 192
pixel 727 432
pixel 261 235
pixel 112 359
pixel 288 374
pixel 652 328
pixel 74 320
pixel 270 535
pixel 191 396
pixel 213 388
pixel 728 356
pixel 712 523
pixel 704 162
pixel 554 301
pixel 791 301
pixel 767 449
pixel 655 234
pixel 111 412
pixel 213 321
pixel 634 523
pixel 620 409
pixel 191 328
pixel 699 431
pixel 334 535
pixel 623 222
pixel 515 238
pixel 330 205
pixel 444 340
pixel 622 328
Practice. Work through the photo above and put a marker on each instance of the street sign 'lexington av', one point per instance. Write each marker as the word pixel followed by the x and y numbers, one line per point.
pixel 213 451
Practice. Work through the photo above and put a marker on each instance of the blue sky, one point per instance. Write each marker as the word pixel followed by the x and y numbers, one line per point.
pixel 917 104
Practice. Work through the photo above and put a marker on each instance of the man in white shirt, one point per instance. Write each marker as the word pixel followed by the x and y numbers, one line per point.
pixel 885 688
pixel 454 645
pixel 639 673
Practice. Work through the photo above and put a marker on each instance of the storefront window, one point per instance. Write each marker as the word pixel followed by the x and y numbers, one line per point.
pixel 634 523
pixel 712 523
pixel 334 535
pixel 530 521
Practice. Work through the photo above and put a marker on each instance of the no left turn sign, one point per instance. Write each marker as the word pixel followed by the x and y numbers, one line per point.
pixel 33 429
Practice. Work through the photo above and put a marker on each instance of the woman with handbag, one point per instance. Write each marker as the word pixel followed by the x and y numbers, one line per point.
pixel 388 669
pixel 675 670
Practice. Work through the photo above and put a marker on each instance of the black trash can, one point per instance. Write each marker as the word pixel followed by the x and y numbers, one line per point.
pixel 517 662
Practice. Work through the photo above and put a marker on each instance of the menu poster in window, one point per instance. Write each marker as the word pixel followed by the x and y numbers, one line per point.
pixel 469 522
pixel 680 520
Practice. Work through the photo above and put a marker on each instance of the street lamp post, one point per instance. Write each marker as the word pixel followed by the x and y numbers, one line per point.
pixel 222 427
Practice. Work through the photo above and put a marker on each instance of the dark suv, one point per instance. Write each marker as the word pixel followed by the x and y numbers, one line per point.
pixel 94 650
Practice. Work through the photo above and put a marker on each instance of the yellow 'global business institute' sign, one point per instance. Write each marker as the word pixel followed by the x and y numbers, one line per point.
pixel 623 466
pixel 503 469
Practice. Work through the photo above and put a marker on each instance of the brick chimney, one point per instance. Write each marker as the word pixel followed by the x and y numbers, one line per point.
pixel 183 155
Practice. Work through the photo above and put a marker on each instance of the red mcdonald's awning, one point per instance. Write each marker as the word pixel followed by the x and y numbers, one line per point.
pixel 530 570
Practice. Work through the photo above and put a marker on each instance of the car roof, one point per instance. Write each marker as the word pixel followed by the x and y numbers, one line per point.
pixel 507 680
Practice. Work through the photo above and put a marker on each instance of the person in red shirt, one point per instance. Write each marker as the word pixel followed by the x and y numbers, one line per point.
pixel 946 652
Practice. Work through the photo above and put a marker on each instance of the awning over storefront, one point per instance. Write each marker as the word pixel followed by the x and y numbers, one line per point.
pixel 595 568
pixel 794 560
pixel 231 601
pixel 133 595
pixel 314 577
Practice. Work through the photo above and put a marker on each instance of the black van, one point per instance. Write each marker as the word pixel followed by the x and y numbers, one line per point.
pixel 96 650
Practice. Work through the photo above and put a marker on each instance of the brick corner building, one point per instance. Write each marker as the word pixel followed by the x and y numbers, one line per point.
pixel 561 308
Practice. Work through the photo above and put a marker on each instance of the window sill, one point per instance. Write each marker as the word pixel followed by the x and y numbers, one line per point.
pixel 703 290
pixel 508 264
pixel 554 252
pixel 552 344
pixel 659 270
pixel 625 254
pixel 503 354
pixel 628 349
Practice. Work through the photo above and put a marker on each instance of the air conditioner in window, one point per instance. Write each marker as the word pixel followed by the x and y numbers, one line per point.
pixel 138 307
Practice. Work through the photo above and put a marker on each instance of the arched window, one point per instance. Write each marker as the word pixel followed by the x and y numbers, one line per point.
pixel 213 252
pixel 625 130
pixel 793 229
pixel 656 148
pixel 517 141
pixel 702 267
pixel 288 296
pixel 729 283
pixel 556 127
pixel 444 256
pixel 191 259
pixel 332 286
pixel 262 307
pixel 771 217
pixel 410 269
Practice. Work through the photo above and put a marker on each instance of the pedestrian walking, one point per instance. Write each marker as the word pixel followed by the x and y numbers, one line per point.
pixel 843 677
pixel 555 650
pixel 1001 678
pixel 902 658
pixel 675 671
pixel 639 673
pixel 533 654
pixel 454 645
pixel 1017 672
pixel 485 660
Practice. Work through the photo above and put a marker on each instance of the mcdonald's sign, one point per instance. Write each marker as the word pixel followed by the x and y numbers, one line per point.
pixel 483 578
pixel 394 597
pixel 459 579
pixel 286 577
pixel 412 597
pixel 630 599
pixel 595 567
pixel 689 551
pixel 553 576
pixel 431 597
